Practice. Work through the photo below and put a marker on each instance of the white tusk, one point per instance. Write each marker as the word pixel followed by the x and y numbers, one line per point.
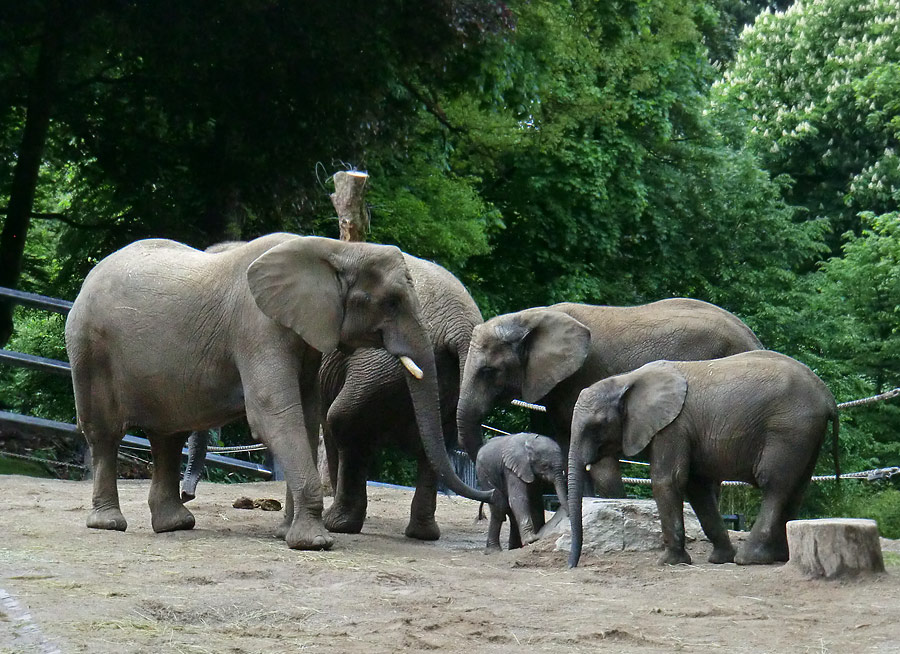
pixel 410 365
pixel 588 467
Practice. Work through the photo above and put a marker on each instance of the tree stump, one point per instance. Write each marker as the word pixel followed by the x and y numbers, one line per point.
pixel 834 547
pixel 348 201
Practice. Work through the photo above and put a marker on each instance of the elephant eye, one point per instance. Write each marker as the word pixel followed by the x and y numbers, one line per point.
pixel 391 303
pixel 489 372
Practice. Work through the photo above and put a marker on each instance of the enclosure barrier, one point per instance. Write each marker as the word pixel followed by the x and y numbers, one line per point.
pixel 41 425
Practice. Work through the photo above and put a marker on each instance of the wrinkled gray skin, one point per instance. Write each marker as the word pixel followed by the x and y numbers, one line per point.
pixel 516 466
pixel 757 417
pixel 366 404
pixel 197 442
pixel 170 339
pixel 549 354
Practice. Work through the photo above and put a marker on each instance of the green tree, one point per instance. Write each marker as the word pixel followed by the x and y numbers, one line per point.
pixel 817 86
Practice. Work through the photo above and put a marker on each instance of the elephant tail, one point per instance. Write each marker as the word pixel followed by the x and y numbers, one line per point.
pixel 835 445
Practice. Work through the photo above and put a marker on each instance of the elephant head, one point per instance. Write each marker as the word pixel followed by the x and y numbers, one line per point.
pixel 619 415
pixel 538 457
pixel 523 354
pixel 357 295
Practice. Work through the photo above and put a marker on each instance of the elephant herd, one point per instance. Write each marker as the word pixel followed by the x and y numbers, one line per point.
pixel 378 347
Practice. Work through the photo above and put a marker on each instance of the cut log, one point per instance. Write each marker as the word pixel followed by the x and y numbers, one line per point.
pixel 834 547
pixel 348 201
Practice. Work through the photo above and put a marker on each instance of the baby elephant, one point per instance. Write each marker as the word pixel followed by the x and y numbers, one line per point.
pixel 758 417
pixel 516 465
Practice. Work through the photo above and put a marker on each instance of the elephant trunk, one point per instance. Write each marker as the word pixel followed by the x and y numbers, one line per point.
pixel 576 490
pixel 559 484
pixel 195 463
pixel 424 394
pixel 468 421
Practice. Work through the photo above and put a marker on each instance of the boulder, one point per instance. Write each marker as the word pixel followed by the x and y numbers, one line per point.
pixel 622 526
pixel 834 547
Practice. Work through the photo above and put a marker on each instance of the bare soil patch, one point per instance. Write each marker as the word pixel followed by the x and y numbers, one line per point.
pixel 229 587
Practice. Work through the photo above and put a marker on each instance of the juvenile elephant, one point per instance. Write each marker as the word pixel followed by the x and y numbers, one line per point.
pixel 549 354
pixel 757 417
pixel 516 465
pixel 170 339
pixel 366 404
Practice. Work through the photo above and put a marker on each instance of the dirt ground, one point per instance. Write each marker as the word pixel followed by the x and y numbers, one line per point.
pixel 229 587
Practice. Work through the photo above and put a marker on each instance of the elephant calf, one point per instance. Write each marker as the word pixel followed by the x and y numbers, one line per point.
pixel 516 466
pixel 758 417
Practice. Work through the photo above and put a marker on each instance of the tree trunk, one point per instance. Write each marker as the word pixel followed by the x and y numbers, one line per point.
pixel 834 547
pixel 348 200
pixel 28 158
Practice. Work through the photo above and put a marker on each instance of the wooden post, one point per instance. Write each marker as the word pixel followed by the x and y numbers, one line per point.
pixel 834 547
pixel 348 200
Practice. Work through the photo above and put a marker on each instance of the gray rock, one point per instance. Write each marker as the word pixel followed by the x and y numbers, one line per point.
pixel 622 526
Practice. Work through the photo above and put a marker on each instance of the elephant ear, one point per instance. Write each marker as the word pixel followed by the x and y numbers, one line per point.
pixel 653 398
pixel 515 458
pixel 296 284
pixel 556 346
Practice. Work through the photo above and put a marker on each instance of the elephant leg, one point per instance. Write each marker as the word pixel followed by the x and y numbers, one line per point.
pixel 536 504
pixel 519 494
pixel 347 512
pixel 782 491
pixel 668 491
pixel 422 525
pixel 276 418
pixel 105 511
pixel 498 516
pixel 606 476
pixel 703 495
pixel 310 399
pixel 766 543
pixel 515 537
pixel 167 511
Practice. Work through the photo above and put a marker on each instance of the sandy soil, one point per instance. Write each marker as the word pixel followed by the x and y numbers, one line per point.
pixel 228 587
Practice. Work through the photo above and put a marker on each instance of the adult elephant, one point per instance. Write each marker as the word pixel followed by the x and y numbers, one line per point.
pixel 171 339
pixel 549 354
pixel 366 404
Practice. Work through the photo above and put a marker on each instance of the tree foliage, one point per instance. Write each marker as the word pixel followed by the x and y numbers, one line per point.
pixel 817 86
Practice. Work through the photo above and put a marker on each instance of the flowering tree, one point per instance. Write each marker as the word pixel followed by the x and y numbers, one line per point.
pixel 819 85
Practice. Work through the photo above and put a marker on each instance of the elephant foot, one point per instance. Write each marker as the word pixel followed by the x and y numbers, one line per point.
pixel 674 557
pixel 760 554
pixel 282 529
pixel 528 539
pixel 308 536
pixel 722 555
pixel 111 519
pixel 177 519
pixel 421 530
pixel 340 520
pixel 492 548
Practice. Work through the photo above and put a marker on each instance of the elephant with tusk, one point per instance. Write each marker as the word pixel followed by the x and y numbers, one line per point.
pixel 170 339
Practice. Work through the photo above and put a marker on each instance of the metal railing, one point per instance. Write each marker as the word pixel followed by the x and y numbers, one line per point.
pixel 31 424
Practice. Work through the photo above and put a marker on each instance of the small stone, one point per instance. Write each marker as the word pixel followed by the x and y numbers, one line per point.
pixel 243 503
pixel 267 504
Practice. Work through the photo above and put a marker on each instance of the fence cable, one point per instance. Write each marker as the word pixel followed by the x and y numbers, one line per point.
pixel 36 459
